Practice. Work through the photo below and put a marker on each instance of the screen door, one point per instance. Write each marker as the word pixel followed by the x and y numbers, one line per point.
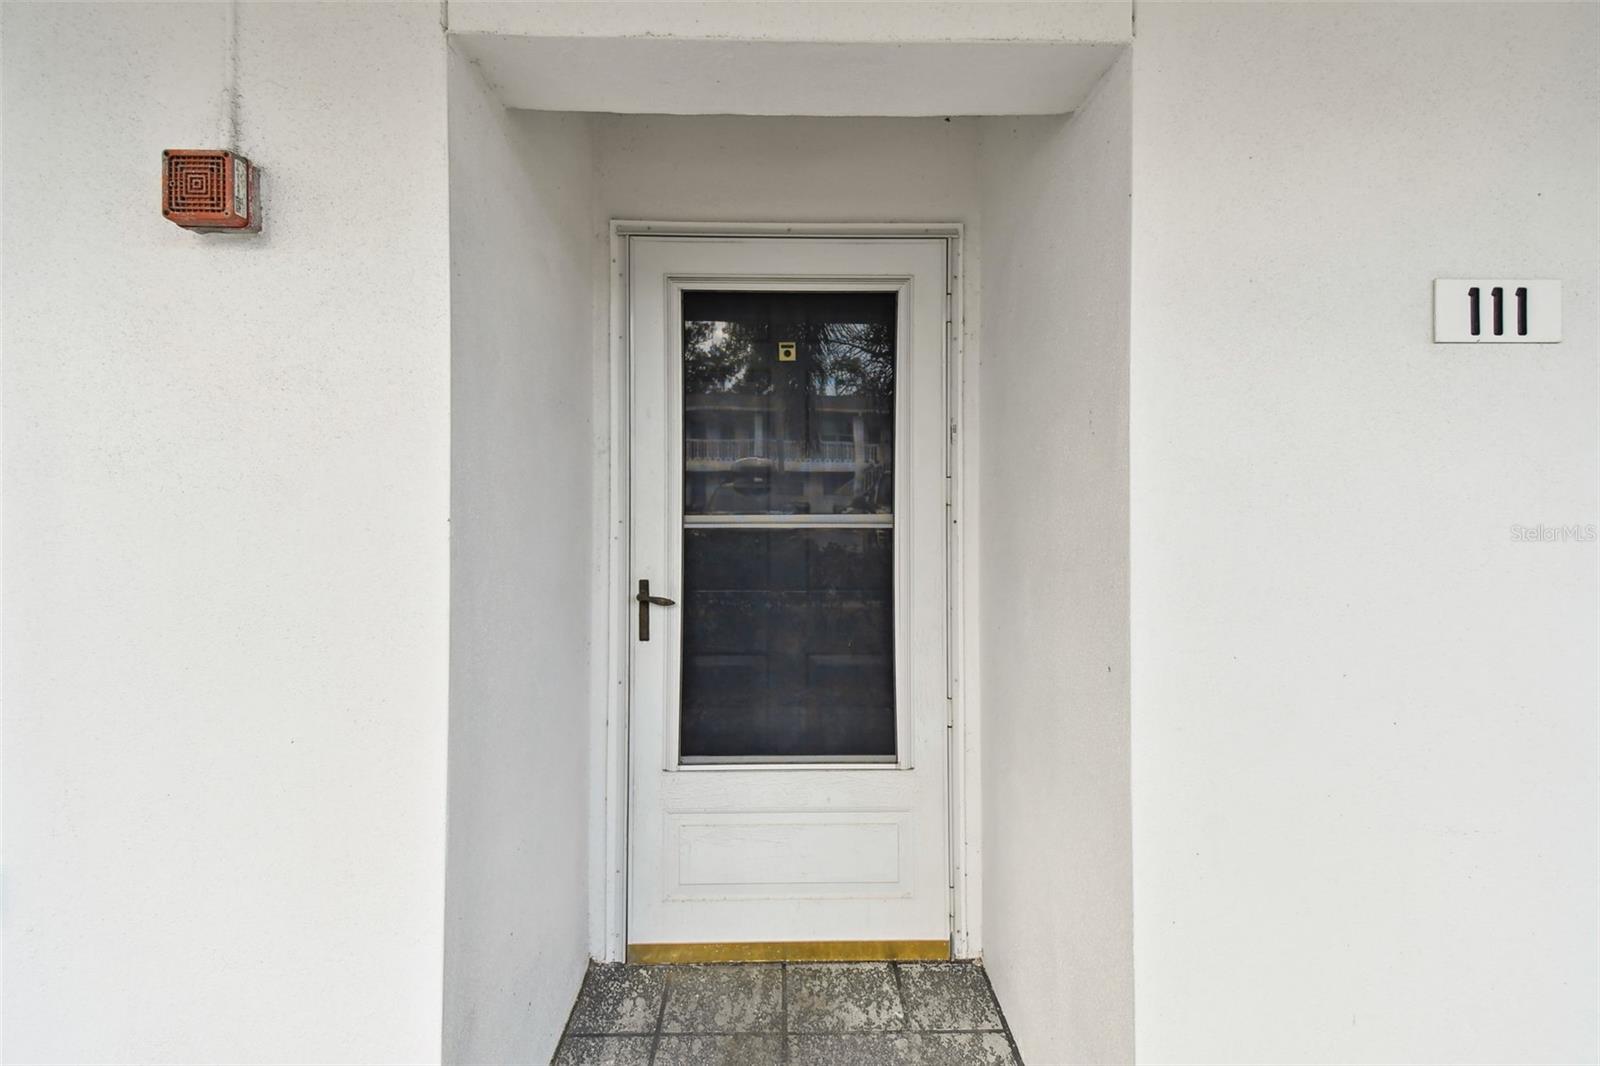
pixel 788 699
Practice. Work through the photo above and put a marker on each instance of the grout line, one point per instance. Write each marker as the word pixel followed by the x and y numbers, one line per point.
pixel 783 1013
pixel 739 1032
pixel 775 1033
pixel 1004 1021
pixel 661 1013
pixel 900 990
pixel 583 986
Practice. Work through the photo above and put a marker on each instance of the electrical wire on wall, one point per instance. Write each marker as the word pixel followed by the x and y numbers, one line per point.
pixel 228 123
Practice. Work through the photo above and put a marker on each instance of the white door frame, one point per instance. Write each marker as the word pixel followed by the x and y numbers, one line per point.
pixel 616 611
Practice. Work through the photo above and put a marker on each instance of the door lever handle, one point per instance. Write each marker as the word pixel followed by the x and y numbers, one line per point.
pixel 645 600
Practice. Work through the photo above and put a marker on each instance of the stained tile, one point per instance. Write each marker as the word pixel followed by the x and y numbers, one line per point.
pixel 618 999
pixel 948 995
pixel 851 1049
pixel 962 1049
pixel 843 997
pixel 724 999
pixel 726 1049
pixel 604 1051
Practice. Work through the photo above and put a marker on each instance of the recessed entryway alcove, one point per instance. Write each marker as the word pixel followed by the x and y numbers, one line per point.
pixel 1038 206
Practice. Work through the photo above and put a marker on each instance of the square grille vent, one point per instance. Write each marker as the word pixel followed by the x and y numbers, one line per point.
pixel 208 189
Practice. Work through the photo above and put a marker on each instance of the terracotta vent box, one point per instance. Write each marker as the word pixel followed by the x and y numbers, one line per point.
pixel 209 190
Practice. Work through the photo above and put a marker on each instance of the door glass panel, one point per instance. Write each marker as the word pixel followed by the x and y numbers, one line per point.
pixel 788 645
pixel 788 403
pixel 788 576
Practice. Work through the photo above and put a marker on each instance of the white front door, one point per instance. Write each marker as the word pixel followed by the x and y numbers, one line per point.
pixel 789 707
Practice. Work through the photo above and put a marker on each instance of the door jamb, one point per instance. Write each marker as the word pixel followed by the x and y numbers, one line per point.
pixel 611 632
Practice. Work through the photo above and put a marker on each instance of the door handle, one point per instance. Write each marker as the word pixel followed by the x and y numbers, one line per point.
pixel 645 600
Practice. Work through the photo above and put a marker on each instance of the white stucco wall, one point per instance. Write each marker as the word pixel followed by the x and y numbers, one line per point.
pixel 1057 834
pixel 771 57
pixel 1364 758
pixel 522 237
pixel 755 169
pixel 226 478
pixel 891 22
pixel 1364 747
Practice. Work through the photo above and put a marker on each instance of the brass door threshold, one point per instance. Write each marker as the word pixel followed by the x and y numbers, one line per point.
pixel 793 951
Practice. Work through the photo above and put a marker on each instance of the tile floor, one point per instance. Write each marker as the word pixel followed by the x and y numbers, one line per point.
pixel 799 1014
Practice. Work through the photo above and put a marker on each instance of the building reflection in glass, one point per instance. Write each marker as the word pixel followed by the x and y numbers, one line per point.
pixel 814 435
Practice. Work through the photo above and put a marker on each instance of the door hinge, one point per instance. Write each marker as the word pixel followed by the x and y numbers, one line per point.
pixel 950 468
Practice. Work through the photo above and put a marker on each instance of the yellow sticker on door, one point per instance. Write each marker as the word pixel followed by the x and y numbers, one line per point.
pixel 786 351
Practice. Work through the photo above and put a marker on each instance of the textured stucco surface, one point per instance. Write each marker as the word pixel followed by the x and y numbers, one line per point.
pixel 889 23
pixel 1364 747
pixel 522 232
pixel 774 58
pixel 226 476
pixel 721 168
pixel 666 75
pixel 1364 717
pixel 1053 577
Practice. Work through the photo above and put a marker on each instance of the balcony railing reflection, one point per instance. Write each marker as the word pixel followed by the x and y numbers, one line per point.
pixel 708 454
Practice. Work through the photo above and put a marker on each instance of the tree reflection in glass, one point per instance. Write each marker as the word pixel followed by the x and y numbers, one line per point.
pixel 814 435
